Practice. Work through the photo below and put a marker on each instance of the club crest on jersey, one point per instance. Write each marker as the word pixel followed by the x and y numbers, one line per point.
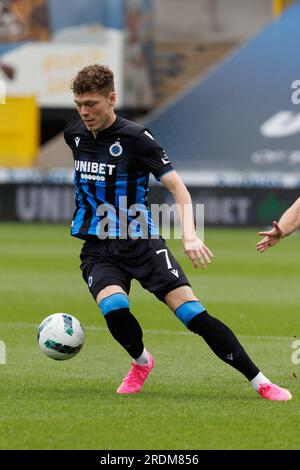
pixel 116 149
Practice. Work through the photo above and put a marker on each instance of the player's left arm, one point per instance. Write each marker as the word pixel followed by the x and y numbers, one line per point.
pixel 193 246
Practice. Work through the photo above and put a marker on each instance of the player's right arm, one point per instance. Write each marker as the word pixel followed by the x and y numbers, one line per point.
pixel 194 248
pixel 288 223
pixel 154 159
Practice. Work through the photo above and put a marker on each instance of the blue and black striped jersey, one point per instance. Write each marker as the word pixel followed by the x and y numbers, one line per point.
pixel 111 179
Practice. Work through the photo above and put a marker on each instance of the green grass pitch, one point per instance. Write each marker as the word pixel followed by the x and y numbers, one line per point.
pixel 191 400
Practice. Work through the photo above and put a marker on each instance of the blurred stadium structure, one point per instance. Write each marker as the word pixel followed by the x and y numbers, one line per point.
pixel 211 78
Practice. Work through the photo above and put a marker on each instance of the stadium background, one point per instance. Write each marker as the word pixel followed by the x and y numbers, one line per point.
pixel 216 88
pixel 218 92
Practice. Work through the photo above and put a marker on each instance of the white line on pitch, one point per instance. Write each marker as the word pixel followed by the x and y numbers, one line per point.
pixel 153 332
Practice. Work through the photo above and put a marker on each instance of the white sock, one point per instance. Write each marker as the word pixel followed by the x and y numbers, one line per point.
pixel 258 380
pixel 143 359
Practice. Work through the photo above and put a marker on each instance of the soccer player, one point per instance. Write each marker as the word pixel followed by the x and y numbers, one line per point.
pixel 288 223
pixel 113 158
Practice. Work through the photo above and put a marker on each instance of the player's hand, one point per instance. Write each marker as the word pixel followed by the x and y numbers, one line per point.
pixel 196 251
pixel 271 237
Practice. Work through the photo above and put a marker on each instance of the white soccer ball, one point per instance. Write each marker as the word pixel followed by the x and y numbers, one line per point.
pixel 60 336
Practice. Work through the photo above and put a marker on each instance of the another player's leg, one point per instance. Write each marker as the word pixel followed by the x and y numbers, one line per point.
pixel 221 340
pixel 124 327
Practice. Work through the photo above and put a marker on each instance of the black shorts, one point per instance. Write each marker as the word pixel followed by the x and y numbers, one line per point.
pixel 117 262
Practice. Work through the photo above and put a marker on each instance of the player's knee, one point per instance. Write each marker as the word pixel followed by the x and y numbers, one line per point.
pixel 189 310
pixel 113 302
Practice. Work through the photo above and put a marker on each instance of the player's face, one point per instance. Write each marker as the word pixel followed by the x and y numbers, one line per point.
pixel 96 111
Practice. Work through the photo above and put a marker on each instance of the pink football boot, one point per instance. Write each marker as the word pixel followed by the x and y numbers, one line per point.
pixel 273 392
pixel 135 379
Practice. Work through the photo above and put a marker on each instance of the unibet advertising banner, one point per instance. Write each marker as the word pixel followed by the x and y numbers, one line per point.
pixel 226 207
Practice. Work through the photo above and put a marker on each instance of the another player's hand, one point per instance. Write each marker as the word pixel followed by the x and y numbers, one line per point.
pixel 197 251
pixel 271 237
